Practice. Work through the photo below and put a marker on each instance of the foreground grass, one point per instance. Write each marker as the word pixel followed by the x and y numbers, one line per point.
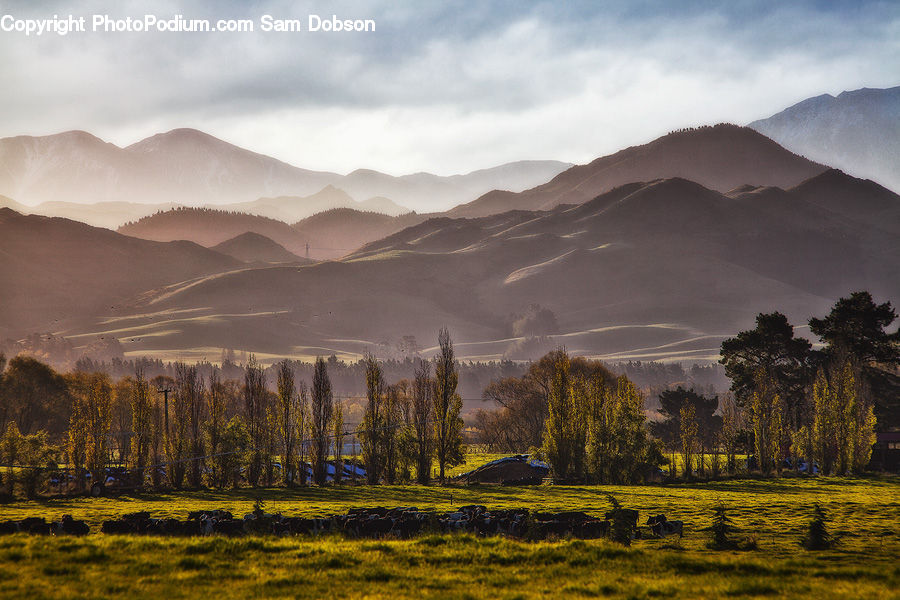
pixel 864 512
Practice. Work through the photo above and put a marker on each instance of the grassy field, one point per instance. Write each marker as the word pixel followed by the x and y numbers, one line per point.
pixel 864 512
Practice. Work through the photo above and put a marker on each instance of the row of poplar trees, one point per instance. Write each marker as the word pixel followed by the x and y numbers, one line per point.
pixel 596 429
pixel 814 406
pixel 208 431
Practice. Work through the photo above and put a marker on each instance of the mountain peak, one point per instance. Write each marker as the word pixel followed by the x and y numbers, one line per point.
pixel 719 157
pixel 177 137
pixel 858 132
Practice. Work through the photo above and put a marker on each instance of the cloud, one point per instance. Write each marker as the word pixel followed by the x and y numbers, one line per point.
pixel 445 87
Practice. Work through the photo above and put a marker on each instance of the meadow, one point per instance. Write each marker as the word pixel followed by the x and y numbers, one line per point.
pixel 774 513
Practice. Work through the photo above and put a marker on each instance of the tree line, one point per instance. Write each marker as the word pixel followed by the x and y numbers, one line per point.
pixel 789 405
pixel 193 431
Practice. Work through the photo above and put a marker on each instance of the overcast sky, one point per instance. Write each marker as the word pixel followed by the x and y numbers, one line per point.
pixel 444 87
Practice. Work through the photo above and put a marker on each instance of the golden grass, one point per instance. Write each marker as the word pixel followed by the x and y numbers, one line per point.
pixel 862 511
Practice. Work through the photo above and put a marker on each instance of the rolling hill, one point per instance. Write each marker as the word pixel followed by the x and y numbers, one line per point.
pixel 56 272
pixel 340 231
pixel 293 208
pixel 209 227
pixel 252 247
pixel 656 270
pixel 856 131
pixel 720 157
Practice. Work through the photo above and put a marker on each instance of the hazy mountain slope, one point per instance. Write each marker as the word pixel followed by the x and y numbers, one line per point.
pixel 339 231
pixel 720 157
pixel 183 166
pixel 424 192
pixel 252 247
pixel 209 227
pixel 860 200
pixel 663 269
pixel 191 168
pixel 84 271
pixel 857 131
pixel 113 215
pixel 291 209
pixel 10 203
pixel 100 214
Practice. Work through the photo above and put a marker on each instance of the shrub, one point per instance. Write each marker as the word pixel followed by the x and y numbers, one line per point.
pixel 817 536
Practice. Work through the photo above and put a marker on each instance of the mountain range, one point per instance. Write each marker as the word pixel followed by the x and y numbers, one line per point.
pixel 655 252
pixel 191 168
pixel 856 131
pixel 720 157
pixel 662 269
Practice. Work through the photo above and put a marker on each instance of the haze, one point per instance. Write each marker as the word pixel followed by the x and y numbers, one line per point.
pixel 516 82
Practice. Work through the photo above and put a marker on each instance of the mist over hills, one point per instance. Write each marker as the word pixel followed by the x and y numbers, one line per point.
pixel 191 168
pixel 340 231
pixel 720 157
pixel 656 266
pixel 329 234
pixel 209 227
pixel 857 131
pixel 652 270
pixel 85 271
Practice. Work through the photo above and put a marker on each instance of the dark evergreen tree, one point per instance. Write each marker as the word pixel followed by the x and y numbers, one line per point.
pixel 856 327
pixel 771 348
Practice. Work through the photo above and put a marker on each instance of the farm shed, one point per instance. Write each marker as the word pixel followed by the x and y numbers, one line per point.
pixel 509 470
pixel 886 452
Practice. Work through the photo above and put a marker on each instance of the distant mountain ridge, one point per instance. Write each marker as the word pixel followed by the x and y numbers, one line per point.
pixel 720 157
pixel 646 271
pixel 340 231
pixel 192 168
pixel 209 227
pixel 857 131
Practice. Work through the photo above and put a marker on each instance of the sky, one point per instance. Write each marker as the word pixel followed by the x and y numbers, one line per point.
pixel 444 87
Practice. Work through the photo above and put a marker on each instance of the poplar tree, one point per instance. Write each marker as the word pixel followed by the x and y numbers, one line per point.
pixel 322 407
pixel 288 406
pixel 766 410
pixel 255 415
pixel 421 417
pixel 90 424
pixel 141 425
pixel 338 424
pixel 372 426
pixel 214 428
pixel 447 407
pixel 565 434
pixel 689 437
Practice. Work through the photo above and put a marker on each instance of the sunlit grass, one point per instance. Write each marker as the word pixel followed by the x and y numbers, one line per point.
pixel 862 511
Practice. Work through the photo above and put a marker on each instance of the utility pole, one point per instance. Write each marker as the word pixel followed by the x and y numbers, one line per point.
pixel 165 392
